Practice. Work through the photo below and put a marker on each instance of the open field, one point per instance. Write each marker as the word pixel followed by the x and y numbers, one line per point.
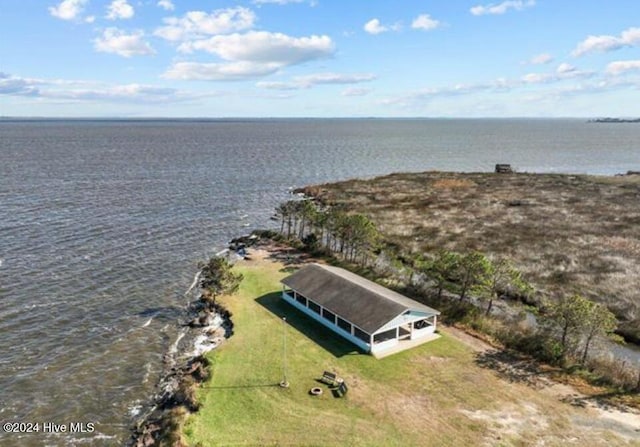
pixel 566 233
pixel 443 393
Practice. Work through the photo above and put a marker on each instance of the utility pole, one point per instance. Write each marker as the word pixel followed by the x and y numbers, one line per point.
pixel 284 383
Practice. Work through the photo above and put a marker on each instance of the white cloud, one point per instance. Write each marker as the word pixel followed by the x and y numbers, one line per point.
pixel 355 91
pixel 501 8
pixel 333 78
pixel 263 47
pixel 11 85
pixel 68 9
pixel 536 78
pixel 249 55
pixel 276 85
pixel 119 9
pixel 308 81
pixel 605 43
pixel 197 24
pixel 418 97
pixel 565 68
pixel 276 2
pixel 75 90
pixel 374 26
pixel 130 93
pixel 167 5
pixel 230 71
pixel 619 67
pixel 425 22
pixel 585 82
pixel 116 41
pixel 563 72
pixel 541 59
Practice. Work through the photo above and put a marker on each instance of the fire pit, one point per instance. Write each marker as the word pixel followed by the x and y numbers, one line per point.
pixel 315 391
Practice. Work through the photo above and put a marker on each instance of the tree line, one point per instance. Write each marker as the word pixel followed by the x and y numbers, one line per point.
pixel 352 236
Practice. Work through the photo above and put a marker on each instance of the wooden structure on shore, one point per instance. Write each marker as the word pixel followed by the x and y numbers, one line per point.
pixel 502 168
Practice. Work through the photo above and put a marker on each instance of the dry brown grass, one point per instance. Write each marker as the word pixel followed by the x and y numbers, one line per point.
pixel 567 233
pixel 452 183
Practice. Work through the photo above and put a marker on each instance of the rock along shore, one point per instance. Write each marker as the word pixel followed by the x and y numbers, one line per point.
pixel 208 325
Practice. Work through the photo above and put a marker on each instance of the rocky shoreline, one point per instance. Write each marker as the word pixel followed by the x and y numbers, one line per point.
pixel 209 324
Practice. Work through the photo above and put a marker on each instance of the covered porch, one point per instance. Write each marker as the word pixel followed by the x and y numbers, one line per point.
pixel 403 332
pixel 404 345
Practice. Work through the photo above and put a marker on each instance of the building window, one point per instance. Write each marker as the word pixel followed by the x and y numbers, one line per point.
pixel 314 307
pixel 344 324
pixel 384 336
pixel 362 335
pixel 302 300
pixel 329 315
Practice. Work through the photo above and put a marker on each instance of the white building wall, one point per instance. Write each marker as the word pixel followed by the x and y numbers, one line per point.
pixel 377 347
pixel 417 333
pixel 355 340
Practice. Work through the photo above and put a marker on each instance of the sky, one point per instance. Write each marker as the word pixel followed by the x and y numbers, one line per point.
pixel 319 58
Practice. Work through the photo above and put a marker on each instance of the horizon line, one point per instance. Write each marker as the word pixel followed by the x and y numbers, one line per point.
pixel 175 118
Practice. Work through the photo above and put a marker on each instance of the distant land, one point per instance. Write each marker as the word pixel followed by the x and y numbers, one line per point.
pixel 615 120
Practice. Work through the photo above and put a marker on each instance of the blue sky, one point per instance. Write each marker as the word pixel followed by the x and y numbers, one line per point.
pixel 319 58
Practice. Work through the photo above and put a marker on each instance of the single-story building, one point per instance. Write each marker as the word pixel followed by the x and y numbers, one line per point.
pixel 367 314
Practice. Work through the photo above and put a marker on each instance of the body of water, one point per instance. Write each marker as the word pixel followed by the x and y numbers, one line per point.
pixel 102 224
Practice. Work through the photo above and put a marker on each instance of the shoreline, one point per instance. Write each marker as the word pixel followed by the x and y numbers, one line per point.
pixel 208 326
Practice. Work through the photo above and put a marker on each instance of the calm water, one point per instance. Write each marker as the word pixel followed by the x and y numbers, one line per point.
pixel 102 225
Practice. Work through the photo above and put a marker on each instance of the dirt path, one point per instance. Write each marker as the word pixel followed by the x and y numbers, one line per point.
pixel 619 419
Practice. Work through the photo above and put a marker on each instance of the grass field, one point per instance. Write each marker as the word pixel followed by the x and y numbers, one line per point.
pixel 433 395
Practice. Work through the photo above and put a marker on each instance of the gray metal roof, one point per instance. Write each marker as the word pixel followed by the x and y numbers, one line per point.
pixel 362 302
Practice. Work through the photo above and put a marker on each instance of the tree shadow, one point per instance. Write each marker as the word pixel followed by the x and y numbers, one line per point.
pixel 322 336
pixel 610 400
pixel 292 258
pixel 515 368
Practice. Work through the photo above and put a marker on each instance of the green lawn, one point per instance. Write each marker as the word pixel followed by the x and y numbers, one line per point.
pixel 420 397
